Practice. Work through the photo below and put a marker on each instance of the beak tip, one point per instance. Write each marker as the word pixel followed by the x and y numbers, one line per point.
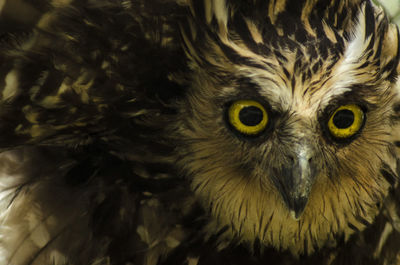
pixel 294 215
pixel 297 207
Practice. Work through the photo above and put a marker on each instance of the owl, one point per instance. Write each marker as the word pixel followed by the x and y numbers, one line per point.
pixel 199 132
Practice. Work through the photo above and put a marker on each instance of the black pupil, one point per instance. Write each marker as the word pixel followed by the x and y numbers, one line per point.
pixel 343 119
pixel 251 116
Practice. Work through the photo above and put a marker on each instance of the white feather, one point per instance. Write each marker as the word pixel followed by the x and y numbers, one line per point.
pixel 345 72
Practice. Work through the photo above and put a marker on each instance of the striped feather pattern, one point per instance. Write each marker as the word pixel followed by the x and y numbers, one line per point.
pixel 116 148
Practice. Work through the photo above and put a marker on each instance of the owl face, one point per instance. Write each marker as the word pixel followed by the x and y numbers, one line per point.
pixel 291 143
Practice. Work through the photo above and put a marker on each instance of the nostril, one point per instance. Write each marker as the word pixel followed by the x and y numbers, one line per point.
pixel 291 159
pixel 310 160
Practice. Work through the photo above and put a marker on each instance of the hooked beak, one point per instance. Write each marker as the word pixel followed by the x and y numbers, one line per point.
pixel 295 181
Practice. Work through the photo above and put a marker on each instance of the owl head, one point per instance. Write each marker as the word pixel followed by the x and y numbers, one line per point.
pixel 290 127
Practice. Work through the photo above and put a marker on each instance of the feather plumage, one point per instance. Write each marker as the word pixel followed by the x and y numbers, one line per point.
pixel 117 150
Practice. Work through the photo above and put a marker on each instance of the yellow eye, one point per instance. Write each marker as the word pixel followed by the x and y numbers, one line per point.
pixel 248 117
pixel 346 121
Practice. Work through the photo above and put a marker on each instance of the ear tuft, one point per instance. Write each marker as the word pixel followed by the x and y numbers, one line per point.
pixel 391 48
